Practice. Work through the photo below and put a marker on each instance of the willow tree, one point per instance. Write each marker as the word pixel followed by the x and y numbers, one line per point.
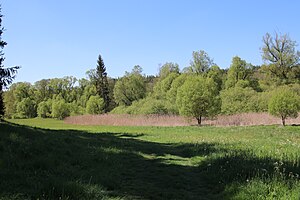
pixel 198 98
pixel 284 103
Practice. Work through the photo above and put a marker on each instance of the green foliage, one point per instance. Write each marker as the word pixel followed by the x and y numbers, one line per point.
pixel 168 68
pixel 150 82
pixel 295 88
pixel 62 86
pixel 198 98
pixel 200 63
pixel 95 105
pixel 129 88
pixel 147 106
pixel 281 55
pixel 259 101
pixel 284 103
pixel 26 108
pixel 121 109
pixel 42 93
pixel 76 109
pixel 60 109
pixel 88 91
pixel 176 84
pixel 240 74
pixel 44 109
pixel 237 100
pixel 217 75
pixel 100 77
pixel 137 70
pixel 294 74
pixel 22 90
pixel 9 102
pixel 153 106
pixel 163 86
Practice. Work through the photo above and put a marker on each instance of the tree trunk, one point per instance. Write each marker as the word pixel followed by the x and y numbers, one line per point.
pixel 199 120
pixel 283 120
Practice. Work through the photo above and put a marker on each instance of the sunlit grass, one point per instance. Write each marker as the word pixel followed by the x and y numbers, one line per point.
pixel 57 160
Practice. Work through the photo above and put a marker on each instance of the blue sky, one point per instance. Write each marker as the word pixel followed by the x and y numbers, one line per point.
pixel 64 37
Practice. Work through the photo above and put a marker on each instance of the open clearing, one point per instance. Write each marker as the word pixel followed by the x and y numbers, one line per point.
pixel 47 159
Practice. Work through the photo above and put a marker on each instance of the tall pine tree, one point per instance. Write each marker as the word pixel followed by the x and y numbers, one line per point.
pixel 102 83
pixel 6 74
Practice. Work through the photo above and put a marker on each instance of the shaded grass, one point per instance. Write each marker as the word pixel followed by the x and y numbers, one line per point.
pixel 55 161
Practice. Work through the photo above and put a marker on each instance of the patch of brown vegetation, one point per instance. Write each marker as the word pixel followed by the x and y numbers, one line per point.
pixel 245 119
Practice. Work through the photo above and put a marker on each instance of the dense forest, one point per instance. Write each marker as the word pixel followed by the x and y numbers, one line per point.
pixel 200 90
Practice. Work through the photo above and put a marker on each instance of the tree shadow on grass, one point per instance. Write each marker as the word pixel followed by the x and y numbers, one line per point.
pixel 71 164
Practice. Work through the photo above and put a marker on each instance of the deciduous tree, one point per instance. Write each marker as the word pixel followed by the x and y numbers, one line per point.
pixel 198 98
pixel 284 103
pixel 168 68
pixel 239 71
pixel 201 62
pixel 129 88
pixel 280 53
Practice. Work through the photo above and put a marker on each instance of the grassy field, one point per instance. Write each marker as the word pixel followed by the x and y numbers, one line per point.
pixel 47 159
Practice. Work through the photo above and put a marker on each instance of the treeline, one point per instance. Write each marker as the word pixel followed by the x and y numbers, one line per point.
pixel 201 90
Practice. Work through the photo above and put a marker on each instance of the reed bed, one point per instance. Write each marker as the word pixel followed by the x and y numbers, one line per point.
pixel 244 119
pixel 129 120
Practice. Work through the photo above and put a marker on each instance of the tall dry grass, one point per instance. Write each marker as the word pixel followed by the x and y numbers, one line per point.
pixel 245 119
pixel 249 119
pixel 128 120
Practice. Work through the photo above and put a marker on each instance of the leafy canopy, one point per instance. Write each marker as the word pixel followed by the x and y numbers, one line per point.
pixel 284 103
pixel 279 51
pixel 198 98
pixel 95 105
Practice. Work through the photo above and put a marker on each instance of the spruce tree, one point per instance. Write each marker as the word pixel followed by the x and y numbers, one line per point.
pixel 102 83
pixel 6 74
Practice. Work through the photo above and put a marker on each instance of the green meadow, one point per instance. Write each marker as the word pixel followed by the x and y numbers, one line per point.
pixel 47 159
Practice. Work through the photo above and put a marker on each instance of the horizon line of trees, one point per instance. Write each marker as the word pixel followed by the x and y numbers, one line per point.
pixel 202 90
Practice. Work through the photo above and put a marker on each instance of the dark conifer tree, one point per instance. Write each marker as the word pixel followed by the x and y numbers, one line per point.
pixel 102 83
pixel 6 74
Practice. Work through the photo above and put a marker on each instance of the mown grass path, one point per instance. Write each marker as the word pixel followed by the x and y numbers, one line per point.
pixel 47 159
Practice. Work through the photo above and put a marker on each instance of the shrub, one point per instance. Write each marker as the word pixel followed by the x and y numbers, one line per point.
pixel 44 109
pixel 60 109
pixel 155 106
pixel 148 106
pixel 76 109
pixel 237 100
pixel 95 105
pixel 121 109
pixel 259 102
